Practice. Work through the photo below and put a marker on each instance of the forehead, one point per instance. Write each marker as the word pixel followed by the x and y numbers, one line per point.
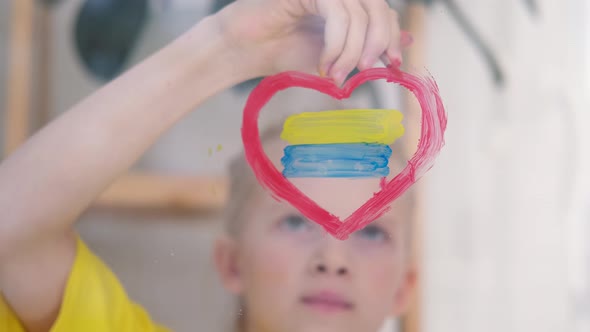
pixel 339 196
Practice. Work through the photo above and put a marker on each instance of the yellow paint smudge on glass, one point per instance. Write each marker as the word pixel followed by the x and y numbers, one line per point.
pixel 219 147
pixel 378 126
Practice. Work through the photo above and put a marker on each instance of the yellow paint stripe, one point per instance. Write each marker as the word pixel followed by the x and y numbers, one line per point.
pixel 378 126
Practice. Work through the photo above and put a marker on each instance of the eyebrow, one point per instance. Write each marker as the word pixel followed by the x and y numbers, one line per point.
pixel 385 221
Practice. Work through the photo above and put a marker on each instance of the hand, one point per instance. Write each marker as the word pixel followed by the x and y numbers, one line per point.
pixel 331 37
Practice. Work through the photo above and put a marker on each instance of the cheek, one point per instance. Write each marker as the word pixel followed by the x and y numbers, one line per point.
pixel 269 263
pixel 381 279
pixel 270 267
pixel 272 274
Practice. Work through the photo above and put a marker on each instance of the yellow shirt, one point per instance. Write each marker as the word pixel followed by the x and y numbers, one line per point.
pixel 94 300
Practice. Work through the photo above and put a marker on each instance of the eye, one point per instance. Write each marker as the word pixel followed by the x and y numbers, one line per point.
pixel 294 223
pixel 373 233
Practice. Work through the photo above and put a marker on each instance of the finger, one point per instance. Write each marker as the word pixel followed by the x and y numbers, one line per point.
pixel 355 40
pixel 394 53
pixel 406 40
pixel 335 32
pixel 378 33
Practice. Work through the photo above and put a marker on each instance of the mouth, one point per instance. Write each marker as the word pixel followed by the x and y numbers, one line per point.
pixel 327 301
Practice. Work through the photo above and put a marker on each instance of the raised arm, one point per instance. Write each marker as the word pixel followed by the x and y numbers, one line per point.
pixel 55 175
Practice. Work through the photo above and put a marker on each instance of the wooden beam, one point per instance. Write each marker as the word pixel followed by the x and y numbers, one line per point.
pixel 414 59
pixel 139 190
pixel 20 68
pixel 44 92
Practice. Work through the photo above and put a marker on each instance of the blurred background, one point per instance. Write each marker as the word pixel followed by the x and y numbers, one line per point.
pixel 504 223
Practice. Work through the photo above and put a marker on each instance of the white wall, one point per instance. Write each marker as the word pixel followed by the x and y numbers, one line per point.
pixel 499 195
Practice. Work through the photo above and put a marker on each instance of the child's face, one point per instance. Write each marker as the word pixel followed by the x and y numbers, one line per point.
pixel 293 276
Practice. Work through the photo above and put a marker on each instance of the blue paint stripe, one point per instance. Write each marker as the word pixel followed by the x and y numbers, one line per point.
pixel 336 160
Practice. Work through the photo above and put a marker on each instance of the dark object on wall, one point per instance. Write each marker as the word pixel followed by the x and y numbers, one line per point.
pixel 219 4
pixel 532 6
pixel 475 38
pixel 106 33
pixel 50 3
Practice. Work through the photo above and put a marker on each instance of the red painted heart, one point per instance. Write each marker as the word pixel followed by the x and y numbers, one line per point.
pixel 434 121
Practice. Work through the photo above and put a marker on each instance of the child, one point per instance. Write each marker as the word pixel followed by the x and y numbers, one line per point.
pixel 50 281
pixel 291 275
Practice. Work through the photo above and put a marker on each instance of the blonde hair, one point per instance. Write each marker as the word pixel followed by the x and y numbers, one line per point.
pixel 243 183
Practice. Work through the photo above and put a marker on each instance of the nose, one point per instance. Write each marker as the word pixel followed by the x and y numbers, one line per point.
pixel 330 258
pixel 322 269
